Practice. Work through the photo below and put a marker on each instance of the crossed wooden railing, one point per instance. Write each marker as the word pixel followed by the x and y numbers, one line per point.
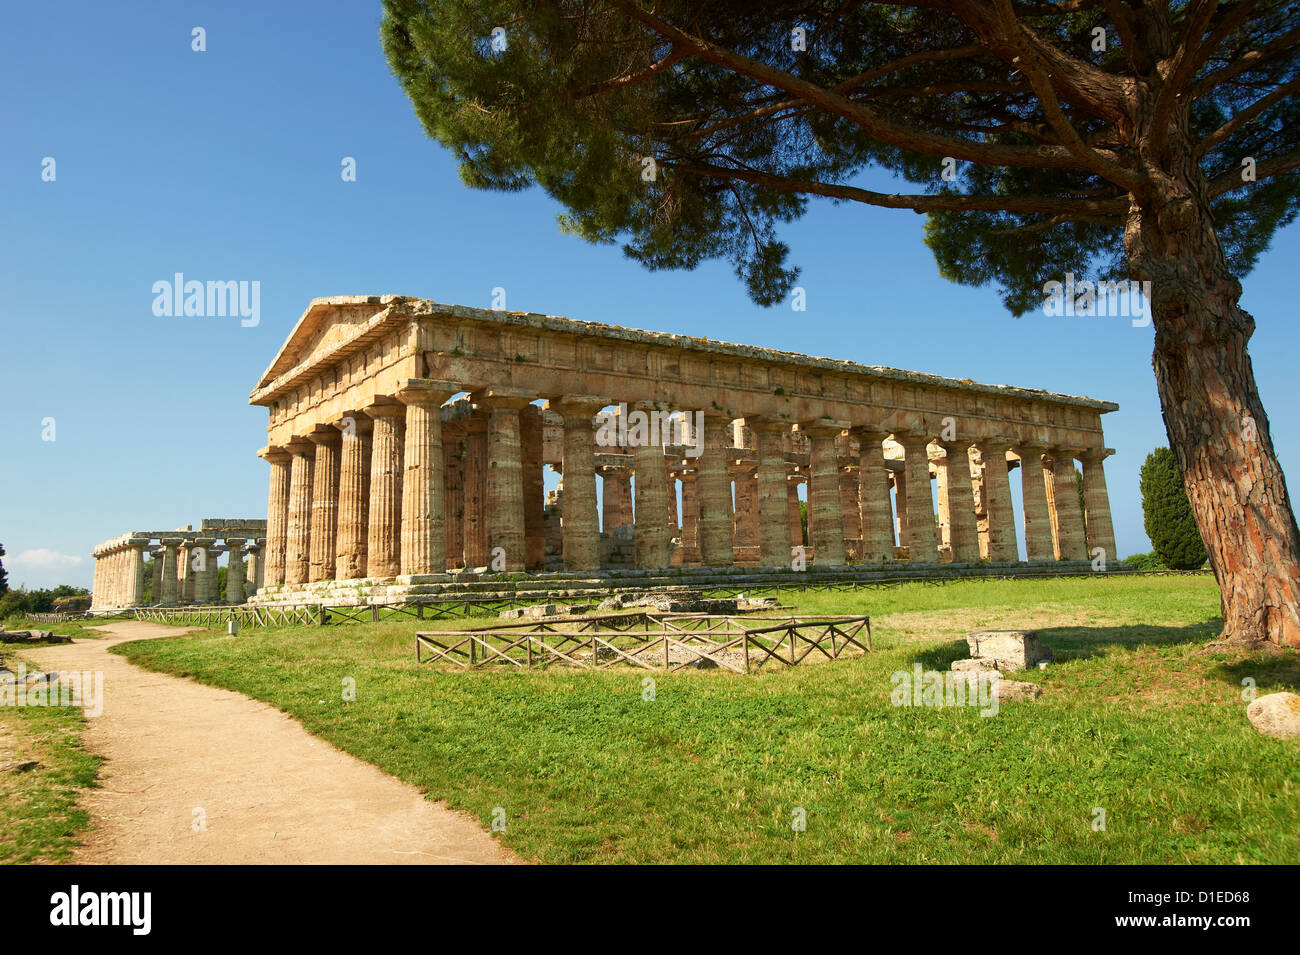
pixel 649 640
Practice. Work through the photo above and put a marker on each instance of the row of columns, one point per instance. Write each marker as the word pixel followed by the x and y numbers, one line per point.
pixel 184 571
pixel 378 494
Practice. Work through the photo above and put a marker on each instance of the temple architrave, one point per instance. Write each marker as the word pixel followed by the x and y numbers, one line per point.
pixel 184 566
pixel 408 439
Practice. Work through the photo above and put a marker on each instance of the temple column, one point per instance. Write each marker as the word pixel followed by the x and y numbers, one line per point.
pixel 921 538
pixel 773 507
pixel 136 596
pixel 297 548
pixel 453 463
pixel 168 592
pixel 534 487
pixel 423 544
pixel 351 532
pixel 156 584
pixel 690 555
pixel 674 519
pixel 1096 503
pixel 851 512
pixel 873 497
pixel 581 520
pixel 235 570
pixel 825 528
pixel 794 511
pixel 997 500
pixel 324 504
pixel 1038 521
pixel 259 578
pixel 714 489
pixel 616 501
pixel 745 526
pixel 384 524
pixel 1070 541
pixel 650 529
pixel 963 534
pixel 277 513
pixel 505 474
pixel 252 563
pixel 476 469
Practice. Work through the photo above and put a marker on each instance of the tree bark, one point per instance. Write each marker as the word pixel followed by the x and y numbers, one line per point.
pixel 1214 419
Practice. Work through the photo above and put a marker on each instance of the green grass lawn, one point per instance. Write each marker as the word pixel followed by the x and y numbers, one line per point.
pixel 1133 720
pixel 39 818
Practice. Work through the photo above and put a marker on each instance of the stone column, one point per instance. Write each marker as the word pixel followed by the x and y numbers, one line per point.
pixel 825 527
pixel 773 507
pixel 351 532
pixel 423 521
pixel 1038 521
pixel 714 489
pixel 297 548
pixel 277 513
pixel 235 570
pixel 921 538
pixel 168 594
pixel 259 580
pixel 795 512
pixel 252 561
pixel 137 575
pixel 323 555
pixel 616 501
pixel 690 551
pixel 963 535
pixel 384 529
pixel 531 451
pixel 997 500
pixel 578 505
pixel 873 498
pixel 745 528
pixel 203 567
pixel 674 519
pixel 651 530
pixel 1096 502
pixel 156 586
pixel 475 520
pixel 453 458
pixel 851 512
pixel 1069 519
pixel 505 474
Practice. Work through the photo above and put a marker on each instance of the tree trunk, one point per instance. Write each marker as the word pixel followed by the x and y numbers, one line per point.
pixel 1216 424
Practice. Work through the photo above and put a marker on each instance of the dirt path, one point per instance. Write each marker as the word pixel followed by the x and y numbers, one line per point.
pixel 270 791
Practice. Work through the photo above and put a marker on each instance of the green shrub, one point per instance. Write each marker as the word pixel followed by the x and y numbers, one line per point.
pixel 1167 514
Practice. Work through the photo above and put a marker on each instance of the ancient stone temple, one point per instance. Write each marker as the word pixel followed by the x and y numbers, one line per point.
pixel 184 568
pixel 409 438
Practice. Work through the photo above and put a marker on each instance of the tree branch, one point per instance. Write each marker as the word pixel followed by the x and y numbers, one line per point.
pixel 1245 116
pixel 1231 180
pixel 871 122
pixel 1048 205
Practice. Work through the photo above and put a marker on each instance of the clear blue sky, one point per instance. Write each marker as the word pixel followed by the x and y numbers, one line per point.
pixel 225 165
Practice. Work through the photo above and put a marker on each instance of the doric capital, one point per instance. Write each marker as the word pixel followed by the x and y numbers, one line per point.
pixel 574 407
pixel 1094 455
pixel 385 408
pixel 354 423
pixel 426 391
pixel 324 434
pixel 767 424
pixel 274 454
pixel 503 399
pixel 822 428
pixel 912 437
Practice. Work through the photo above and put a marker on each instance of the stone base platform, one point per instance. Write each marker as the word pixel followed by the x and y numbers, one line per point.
pixel 368 591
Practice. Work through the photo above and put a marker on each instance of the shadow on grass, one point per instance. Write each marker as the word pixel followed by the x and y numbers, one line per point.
pixel 1082 643
pixel 1271 672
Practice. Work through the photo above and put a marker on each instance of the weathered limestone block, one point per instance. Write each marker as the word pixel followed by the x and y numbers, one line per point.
pixel 1007 649
pixel 1277 715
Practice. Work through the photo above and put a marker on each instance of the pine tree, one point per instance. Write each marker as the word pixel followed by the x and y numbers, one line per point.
pixel 1137 141
pixel 1167 515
